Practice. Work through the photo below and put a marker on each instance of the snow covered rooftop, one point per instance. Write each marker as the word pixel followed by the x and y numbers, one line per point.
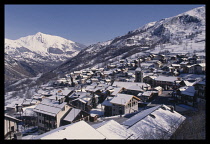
pixel 13 103
pixel 155 123
pixel 135 88
pixel 121 99
pixel 141 115
pixel 10 117
pixel 49 107
pixel 128 84
pixel 116 91
pixel 113 130
pixel 187 83
pixel 72 114
pixel 107 102
pixel 29 111
pixel 166 78
pixel 187 90
pixel 78 130
pixel 147 93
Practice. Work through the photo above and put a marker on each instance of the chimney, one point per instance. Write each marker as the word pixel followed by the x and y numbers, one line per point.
pixel 16 107
pixel 172 109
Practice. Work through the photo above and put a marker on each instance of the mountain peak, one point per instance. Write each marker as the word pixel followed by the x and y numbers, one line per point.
pixel 39 33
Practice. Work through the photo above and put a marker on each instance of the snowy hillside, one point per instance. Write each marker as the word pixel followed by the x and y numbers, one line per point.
pixel 182 33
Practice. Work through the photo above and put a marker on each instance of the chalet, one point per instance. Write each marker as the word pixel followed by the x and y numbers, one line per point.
pixel 14 106
pixel 10 127
pixel 122 104
pixel 133 90
pixel 165 81
pixel 84 100
pixel 200 89
pixel 145 96
pixel 107 106
pixel 159 122
pixel 50 113
pixel 29 116
pixel 26 102
pixel 150 79
pixel 197 69
pixel 75 115
pixel 158 64
pixel 186 95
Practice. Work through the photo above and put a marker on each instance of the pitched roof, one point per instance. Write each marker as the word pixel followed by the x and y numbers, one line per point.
pixel 106 102
pixel 78 130
pixel 128 84
pixel 10 117
pixel 135 88
pixel 166 78
pixel 155 123
pixel 187 90
pixel 113 130
pixel 72 114
pixel 116 91
pixel 141 115
pixel 122 99
pixel 49 107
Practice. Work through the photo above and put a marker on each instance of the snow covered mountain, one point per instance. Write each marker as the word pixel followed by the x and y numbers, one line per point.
pixel 182 33
pixel 37 53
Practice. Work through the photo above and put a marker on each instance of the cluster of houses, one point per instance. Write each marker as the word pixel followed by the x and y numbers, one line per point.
pixel 121 88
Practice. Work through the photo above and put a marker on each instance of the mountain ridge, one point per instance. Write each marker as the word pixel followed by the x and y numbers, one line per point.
pixel 184 28
pixel 34 54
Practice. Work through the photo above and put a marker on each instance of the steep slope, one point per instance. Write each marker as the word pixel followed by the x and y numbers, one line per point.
pixel 174 32
pixel 15 70
pixel 35 54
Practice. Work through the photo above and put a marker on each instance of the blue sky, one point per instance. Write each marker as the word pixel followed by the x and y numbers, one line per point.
pixel 86 24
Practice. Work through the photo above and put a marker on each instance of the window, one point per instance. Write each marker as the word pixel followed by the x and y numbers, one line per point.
pixel 12 128
pixel 40 121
